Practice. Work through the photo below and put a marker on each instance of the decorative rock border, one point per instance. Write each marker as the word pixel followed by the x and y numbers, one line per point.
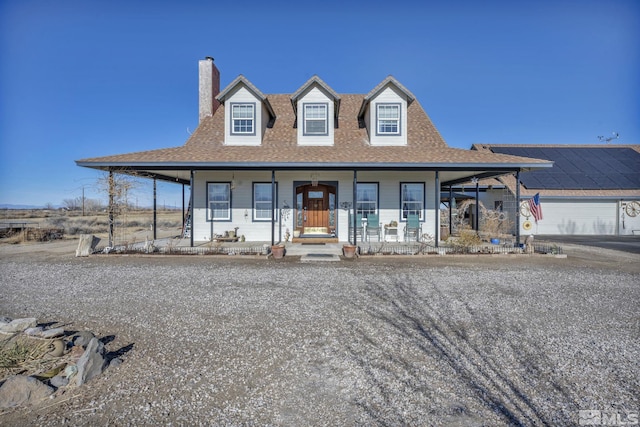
pixel 65 359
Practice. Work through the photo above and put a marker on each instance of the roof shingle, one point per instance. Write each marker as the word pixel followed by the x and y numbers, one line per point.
pixel 425 145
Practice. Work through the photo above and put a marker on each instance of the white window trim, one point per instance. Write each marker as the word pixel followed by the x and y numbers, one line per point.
pixel 398 120
pixel 252 119
pixel 210 210
pixel 376 201
pixel 325 119
pixel 403 217
pixel 255 216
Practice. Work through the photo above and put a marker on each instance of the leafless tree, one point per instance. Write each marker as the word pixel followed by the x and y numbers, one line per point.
pixel 119 187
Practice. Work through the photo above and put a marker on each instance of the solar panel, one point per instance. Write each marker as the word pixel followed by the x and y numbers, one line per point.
pixel 580 168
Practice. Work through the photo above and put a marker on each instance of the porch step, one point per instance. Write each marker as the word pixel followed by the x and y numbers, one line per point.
pixel 315 252
pixel 315 239
pixel 319 258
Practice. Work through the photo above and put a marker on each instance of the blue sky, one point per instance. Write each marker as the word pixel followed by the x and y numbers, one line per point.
pixel 82 78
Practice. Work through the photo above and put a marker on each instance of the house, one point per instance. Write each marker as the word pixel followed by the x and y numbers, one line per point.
pixel 311 162
pixel 591 189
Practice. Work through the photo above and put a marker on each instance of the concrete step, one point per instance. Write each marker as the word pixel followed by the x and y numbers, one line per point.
pixel 298 249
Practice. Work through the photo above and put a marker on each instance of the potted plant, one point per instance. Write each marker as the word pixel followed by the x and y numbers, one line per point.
pixel 349 250
pixel 277 251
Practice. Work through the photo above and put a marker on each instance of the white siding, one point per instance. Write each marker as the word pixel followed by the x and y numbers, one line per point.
pixel 244 95
pixel 315 95
pixel 629 225
pixel 388 95
pixel 242 201
pixel 575 217
pixel 389 197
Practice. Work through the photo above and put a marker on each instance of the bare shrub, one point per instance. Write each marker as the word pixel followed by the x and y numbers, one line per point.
pixel 57 221
pixel 14 238
pixel 468 238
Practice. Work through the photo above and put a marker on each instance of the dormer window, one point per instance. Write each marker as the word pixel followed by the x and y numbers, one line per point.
pixel 315 119
pixel 388 119
pixel 243 119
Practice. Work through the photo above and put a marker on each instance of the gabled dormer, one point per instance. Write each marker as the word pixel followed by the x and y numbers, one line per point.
pixel 384 113
pixel 248 113
pixel 316 107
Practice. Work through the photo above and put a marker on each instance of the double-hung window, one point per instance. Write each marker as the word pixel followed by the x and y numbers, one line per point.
pixel 388 118
pixel 262 201
pixel 219 201
pixel 367 198
pixel 315 119
pixel 412 199
pixel 243 119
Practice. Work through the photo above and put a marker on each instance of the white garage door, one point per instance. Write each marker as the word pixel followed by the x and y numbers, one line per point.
pixel 574 217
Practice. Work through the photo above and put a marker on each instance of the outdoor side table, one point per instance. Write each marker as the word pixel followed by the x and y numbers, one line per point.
pixel 390 233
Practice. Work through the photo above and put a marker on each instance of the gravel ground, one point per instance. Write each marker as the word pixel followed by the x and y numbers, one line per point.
pixel 455 340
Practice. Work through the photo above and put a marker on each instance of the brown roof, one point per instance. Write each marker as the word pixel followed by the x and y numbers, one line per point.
pixel 425 146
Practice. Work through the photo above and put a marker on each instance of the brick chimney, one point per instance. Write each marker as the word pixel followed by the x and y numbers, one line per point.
pixel 208 87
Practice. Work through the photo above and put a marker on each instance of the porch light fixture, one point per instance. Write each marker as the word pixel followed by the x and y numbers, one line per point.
pixel 474 180
pixel 314 180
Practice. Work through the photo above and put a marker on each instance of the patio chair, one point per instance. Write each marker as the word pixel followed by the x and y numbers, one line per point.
pixel 359 227
pixel 373 226
pixel 413 228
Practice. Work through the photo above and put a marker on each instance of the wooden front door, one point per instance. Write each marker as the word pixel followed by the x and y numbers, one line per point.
pixel 314 209
pixel 316 212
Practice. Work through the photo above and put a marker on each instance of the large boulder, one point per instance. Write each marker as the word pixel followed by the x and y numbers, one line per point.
pixel 20 390
pixel 86 245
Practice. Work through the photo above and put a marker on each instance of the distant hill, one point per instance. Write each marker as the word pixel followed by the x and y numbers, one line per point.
pixel 10 206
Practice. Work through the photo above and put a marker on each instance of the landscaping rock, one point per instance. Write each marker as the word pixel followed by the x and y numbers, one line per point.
pixel 18 325
pixel 76 352
pixel 91 363
pixel 34 332
pixel 82 338
pixel 116 361
pixel 59 381
pixel 86 245
pixel 21 390
pixel 52 333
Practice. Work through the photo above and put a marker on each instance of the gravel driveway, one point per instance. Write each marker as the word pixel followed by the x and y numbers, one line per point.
pixel 456 341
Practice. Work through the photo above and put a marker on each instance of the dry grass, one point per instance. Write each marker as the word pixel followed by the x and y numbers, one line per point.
pixel 23 355
pixel 74 224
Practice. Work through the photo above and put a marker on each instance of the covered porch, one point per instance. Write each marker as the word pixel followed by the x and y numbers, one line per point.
pixel 325 209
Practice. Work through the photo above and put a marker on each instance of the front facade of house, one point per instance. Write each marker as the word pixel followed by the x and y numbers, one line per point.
pixel 312 162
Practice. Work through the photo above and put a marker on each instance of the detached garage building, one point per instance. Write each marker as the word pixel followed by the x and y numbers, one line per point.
pixel 591 189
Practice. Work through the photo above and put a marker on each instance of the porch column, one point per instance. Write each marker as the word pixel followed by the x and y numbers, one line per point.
pixel 273 207
pixel 191 208
pixel 450 211
pixel 155 209
pixel 437 218
pixel 112 192
pixel 518 208
pixel 183 218
pixel 477 206
pixel 355 198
